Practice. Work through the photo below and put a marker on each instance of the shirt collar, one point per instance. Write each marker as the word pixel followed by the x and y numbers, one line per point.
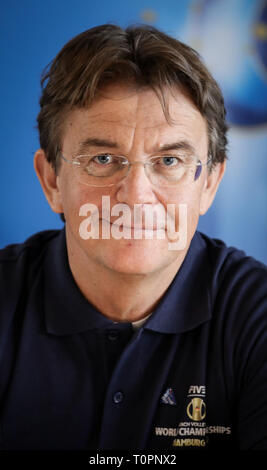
pixel 184 306
pixel 66 310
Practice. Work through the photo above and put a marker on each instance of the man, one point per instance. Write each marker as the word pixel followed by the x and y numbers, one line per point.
pixel 122 331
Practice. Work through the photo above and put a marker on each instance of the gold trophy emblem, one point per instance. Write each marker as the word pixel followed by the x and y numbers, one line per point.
pixel 196 409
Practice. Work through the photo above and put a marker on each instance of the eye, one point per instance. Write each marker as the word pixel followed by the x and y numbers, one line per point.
pixel 169 160
pixel 103 159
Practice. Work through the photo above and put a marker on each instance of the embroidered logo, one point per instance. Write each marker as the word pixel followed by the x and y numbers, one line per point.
pixel 196 409
pixel 168 398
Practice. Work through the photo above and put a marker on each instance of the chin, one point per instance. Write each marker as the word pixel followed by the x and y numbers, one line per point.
pixel 140 257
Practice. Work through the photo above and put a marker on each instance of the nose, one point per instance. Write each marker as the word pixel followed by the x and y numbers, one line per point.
pixel 136 188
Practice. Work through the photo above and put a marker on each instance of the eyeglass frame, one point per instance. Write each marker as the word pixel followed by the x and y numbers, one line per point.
pixel 129 164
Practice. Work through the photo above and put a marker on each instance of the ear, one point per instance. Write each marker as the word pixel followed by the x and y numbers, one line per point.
pixel 210 187
pixel 48 179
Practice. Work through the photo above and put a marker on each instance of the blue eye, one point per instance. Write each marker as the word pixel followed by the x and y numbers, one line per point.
pixel 103 159
pixel 170 161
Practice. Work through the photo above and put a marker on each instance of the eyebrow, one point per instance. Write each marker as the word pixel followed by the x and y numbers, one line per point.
pixel 179 145
pixel 96 142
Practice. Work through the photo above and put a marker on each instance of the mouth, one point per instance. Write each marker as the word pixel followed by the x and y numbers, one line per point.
pixel 136 227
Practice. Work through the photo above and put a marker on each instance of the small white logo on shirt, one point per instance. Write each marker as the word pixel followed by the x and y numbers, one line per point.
pixel 168 398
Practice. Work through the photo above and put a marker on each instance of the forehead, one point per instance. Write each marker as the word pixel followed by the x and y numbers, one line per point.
pixel 119 111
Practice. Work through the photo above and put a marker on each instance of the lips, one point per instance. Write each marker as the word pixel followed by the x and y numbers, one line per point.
pixel 136 226
pixel 140 217
pixel 137 220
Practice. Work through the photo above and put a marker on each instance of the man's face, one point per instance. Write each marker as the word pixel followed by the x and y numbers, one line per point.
pixel 132 123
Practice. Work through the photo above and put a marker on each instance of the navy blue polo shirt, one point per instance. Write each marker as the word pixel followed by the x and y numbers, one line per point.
pixel 194 375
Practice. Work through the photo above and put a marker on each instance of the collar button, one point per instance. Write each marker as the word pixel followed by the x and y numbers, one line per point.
pixel 113 335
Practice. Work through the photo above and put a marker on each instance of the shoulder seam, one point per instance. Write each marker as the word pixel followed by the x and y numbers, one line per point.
pixel 6 255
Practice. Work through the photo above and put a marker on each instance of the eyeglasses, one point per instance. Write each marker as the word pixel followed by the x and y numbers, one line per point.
pixel 108 170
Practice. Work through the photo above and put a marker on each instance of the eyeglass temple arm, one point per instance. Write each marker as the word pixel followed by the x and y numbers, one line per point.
pixel 71 162
pixel 199 167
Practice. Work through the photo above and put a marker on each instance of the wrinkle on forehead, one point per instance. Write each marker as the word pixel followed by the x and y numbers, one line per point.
pixel 136 107
pixel 143 105
pixel 131 124
pixel 144 116
pixel 124 115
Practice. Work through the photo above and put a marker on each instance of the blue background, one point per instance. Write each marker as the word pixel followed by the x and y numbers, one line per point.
pixel 231 36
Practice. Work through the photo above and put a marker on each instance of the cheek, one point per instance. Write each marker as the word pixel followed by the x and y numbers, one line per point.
pixel 75 200
pixel 74 195
pixel 188 197
pixel 183 196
